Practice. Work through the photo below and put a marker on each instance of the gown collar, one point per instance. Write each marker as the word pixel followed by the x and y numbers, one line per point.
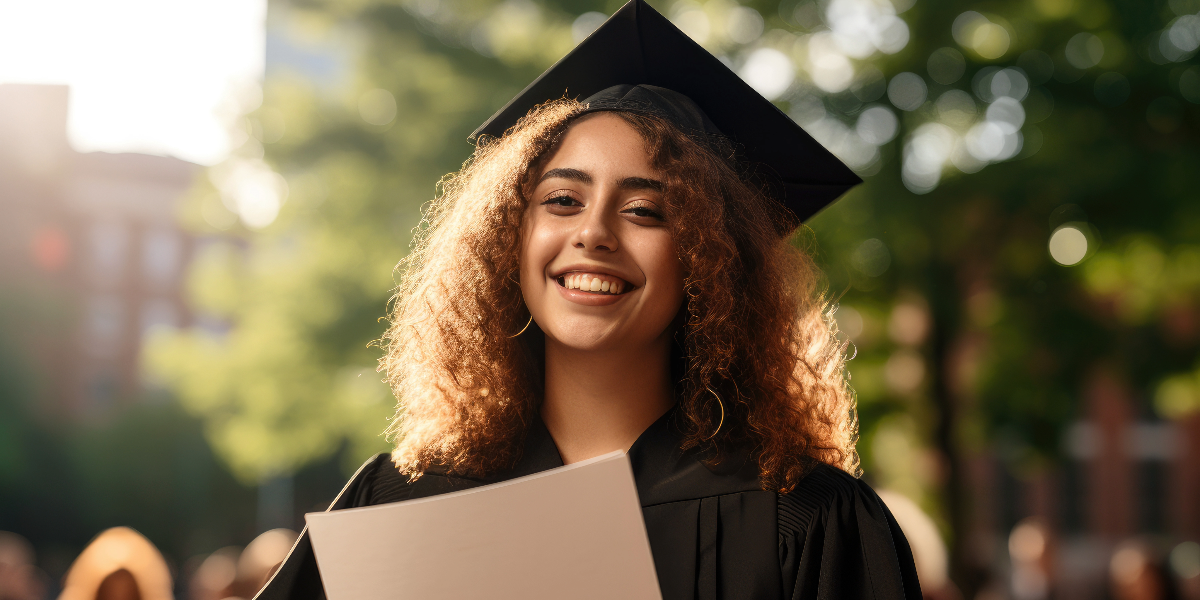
pixel 662 471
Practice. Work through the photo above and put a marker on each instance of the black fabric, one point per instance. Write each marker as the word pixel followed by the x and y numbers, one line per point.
pixel 654 100
pixel 714 533
pixel 637 46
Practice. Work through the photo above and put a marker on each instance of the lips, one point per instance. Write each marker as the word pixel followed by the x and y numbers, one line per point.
pixel 594 283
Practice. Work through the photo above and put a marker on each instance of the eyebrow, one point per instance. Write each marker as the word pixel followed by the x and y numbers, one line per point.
pixel 627 183
pixel 566 173
pixel 641 183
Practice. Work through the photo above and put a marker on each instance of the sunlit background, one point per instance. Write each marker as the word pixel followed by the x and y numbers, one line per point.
pixel 202 203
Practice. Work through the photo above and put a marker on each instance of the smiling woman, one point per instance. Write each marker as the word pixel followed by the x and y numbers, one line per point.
pixel 614 274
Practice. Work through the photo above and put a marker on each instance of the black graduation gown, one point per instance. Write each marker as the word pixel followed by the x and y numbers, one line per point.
pixel 714 533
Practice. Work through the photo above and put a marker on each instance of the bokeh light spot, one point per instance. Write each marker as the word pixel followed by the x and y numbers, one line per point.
pixel 1068 246
pixel 830 69
pixel 1128 563
pixel 850 322
pixel 990 40
pixel 925 155
pixel 964 26
pixel 1184 33
pixel 690 18
pixel 1011 83
pixel 904 371
pixel 1037 65
pixel 870 84
pixel 1054 9
pixel 743 25
pixel 51 248
pixel 1027 542
pixel 1084 50
pixel 907 91
pixel 909 323
pixel 1007 113
pixel 769 71
pixel 871 258
pixel 860 27
pixel 1177 396
pixel 946 65
pixel 956 108
pixel 585 24
pixel 1185 560
pixel 377 107
pixel 877 125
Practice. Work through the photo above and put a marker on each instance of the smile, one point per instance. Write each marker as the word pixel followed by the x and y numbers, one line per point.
pixel 595 283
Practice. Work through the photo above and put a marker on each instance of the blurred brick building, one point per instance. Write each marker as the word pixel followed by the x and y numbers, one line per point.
pixel 91 258
pixel 1123 504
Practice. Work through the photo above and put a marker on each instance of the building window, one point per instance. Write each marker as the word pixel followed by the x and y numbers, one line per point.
pixel 162 250
pixel 104 325
pixel 101 393
pixel 1153 445
pixel 108 245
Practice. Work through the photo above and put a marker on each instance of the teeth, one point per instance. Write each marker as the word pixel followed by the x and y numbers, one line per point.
pixel 592 283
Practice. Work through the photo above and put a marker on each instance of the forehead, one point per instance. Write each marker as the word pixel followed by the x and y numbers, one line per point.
pixel 602 142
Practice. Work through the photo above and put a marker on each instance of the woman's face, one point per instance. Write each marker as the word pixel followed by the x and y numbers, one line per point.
pixel 599 269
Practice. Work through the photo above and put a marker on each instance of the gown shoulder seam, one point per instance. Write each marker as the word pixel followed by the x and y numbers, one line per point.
pixel 811 497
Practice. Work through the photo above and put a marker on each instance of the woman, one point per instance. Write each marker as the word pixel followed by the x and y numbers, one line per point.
pixel 607 275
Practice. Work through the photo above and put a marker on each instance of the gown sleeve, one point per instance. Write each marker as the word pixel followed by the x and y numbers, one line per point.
pixel 297 578
pixel 837 540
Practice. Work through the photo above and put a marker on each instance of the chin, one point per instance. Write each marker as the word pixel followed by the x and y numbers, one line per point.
pixel 586 334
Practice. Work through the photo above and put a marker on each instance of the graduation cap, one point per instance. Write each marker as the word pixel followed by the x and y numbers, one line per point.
pixel 638 61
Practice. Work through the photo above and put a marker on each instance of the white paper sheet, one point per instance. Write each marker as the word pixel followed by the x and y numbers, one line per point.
pixel 571 532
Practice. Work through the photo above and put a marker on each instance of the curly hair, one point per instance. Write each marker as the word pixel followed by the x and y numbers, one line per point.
pixel 756 330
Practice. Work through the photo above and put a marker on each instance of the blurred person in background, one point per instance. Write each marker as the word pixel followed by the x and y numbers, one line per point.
pixel 19 578
pixel 1137 572
pixel 928 548
pixel 1030 553
pixel 120 564
pixel 119 585
pixel 234 573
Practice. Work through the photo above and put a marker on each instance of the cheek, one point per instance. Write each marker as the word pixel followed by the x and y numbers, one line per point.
pixel 669 271
pixel 539 245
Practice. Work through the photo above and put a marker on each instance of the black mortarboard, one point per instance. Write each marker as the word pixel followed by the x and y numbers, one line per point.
pixel 638 61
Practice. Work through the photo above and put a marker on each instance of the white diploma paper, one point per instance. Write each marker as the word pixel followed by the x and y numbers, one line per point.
pixel 571 532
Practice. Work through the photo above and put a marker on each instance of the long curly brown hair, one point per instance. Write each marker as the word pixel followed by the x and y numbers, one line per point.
pixel 756 327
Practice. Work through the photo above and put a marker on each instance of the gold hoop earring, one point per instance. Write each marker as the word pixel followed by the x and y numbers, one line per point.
pixel 722 405
pixel 527 324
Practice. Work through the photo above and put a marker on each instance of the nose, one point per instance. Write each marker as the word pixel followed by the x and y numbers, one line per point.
pixel 595 233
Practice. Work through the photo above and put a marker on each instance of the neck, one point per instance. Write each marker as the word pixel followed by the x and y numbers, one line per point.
pixel 597 402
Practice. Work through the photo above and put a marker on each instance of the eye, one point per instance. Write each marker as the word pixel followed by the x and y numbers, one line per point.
pixel 562 203
pixel 643 209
